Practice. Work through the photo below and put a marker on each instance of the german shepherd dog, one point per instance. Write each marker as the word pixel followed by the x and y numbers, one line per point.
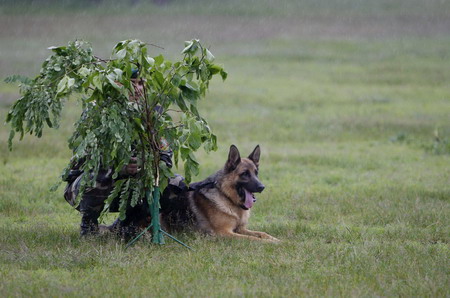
pixel 219 205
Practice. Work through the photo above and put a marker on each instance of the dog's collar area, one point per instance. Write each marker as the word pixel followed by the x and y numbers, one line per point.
pixel 247 197
pixel 202 184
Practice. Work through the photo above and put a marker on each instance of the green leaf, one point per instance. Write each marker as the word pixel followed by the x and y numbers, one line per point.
pixel 62 85
pixel 150 60
pixel 111 79
pixel 176 80
pixel 159 60
pixel 97 82
pixel 193 158
pixel 121 54
pixel 223 74
pixel 49 123
pixel 137 192
pixel 204 73
pixel 188 46
pixel 214 68
pixel 118 73
pixel 138 123
pixel 211 144
pixel 84 71
pixel 195 141
pixel 18 78
pixel 114 194
pixel 165 171
pixel 181 103
pixel 163 184
pixel 184 151
pixel 191 86
pixel 58 50
pixel 191 47
pixel 55 186
pixel 119 45
pixel 159 78
pixel 10 138
pixel 209 56
pixel 194 110
pixel 70 83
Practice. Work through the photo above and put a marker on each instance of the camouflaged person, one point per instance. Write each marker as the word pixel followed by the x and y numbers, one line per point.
pixel 93 199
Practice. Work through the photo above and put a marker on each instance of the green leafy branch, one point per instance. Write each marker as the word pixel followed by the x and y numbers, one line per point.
pixel 117 124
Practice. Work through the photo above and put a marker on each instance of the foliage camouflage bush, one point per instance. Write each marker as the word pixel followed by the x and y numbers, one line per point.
pixel 113 129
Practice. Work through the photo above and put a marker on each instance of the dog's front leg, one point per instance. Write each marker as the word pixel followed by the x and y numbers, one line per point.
pixel 231 234
pixel 259 235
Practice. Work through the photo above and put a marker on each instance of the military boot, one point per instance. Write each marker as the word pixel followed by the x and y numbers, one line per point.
pixel 89 225
pixel 90 211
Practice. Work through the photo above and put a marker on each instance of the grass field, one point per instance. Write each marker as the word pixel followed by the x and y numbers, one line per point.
pixel 350 102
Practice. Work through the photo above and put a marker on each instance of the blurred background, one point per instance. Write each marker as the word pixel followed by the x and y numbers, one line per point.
pixel 231 27
pixel 350 102
pixel 300 61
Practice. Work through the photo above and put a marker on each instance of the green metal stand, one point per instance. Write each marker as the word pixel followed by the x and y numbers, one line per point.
pixel 157 236
pixel 157 232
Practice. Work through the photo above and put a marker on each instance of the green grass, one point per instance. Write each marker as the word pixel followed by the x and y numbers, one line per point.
pixel 345 99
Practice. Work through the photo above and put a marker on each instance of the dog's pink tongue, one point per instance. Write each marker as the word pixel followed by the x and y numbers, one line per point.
pixel 248 199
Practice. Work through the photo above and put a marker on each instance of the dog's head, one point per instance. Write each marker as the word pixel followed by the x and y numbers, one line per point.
pixel 243 173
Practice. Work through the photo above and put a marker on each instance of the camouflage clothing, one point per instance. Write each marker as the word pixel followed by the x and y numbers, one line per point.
pixel 93 200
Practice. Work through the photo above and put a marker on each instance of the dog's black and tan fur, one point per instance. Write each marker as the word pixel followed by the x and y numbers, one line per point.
pixel 220 204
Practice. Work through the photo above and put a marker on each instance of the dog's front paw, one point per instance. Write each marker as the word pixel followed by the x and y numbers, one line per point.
pixel 275 240
pixel 266 236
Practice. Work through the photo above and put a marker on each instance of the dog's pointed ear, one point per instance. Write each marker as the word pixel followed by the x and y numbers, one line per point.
pixel 234 158
pixel 255 155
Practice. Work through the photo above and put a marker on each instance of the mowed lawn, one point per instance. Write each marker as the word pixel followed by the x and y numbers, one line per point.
pixel 350 103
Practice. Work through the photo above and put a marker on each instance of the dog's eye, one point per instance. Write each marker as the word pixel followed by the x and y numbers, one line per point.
pixel 246 174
